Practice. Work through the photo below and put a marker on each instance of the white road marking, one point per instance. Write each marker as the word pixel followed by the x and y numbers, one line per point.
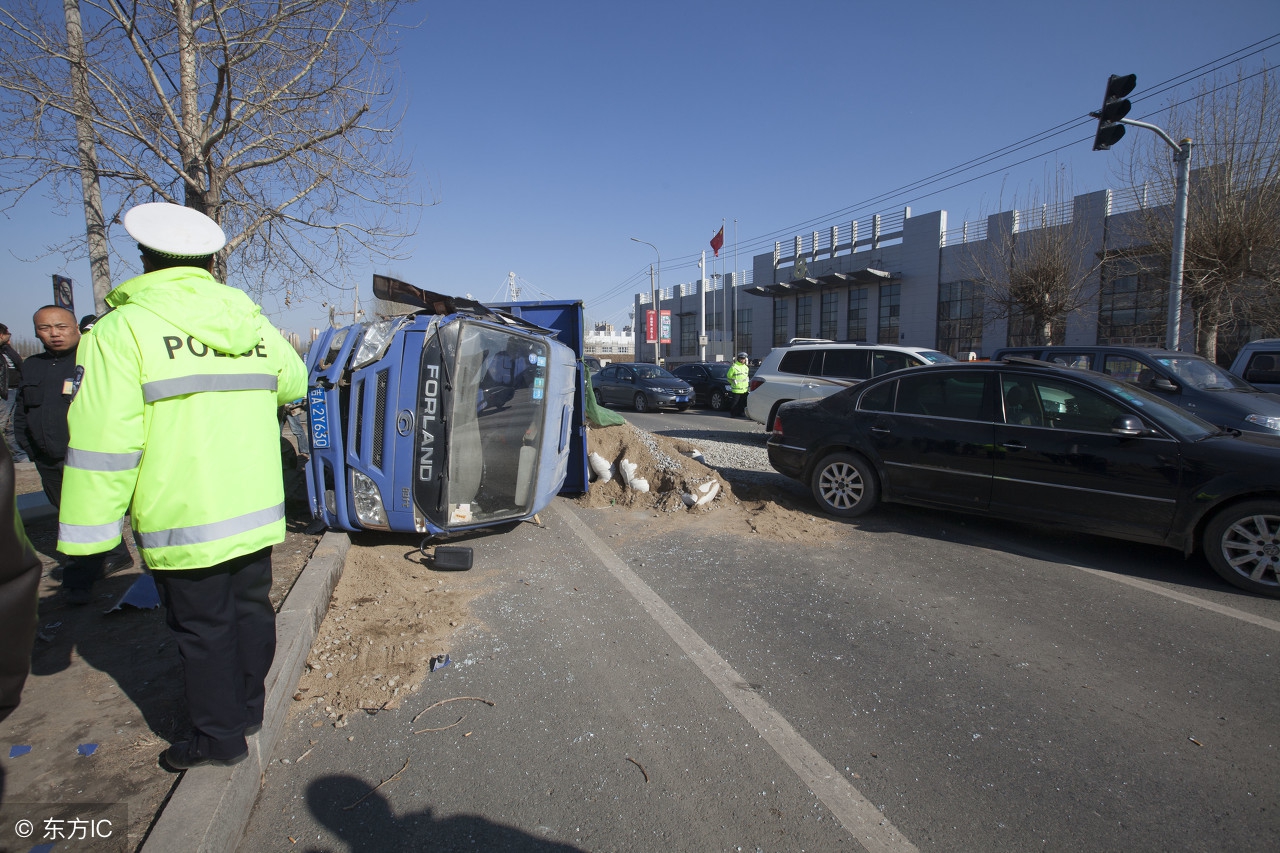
pixel 1221 609
pixel 855 812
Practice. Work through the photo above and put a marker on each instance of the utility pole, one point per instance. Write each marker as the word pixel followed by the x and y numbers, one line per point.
pixel 653 300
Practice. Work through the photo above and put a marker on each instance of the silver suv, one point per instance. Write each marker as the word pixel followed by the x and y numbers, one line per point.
pixel 812 369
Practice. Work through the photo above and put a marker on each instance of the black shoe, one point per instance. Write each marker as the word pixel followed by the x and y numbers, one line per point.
pixel 116 563
pixel 182 756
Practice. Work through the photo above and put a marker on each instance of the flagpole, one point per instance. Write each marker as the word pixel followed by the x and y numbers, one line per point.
pixel 702 307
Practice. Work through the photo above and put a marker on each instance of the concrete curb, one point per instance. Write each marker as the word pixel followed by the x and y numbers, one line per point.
pixel 210 807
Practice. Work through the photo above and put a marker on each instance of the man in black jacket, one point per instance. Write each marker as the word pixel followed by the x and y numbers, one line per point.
pixel 10 378
pixel 40 424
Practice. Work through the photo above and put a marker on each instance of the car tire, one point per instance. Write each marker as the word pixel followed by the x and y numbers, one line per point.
pixel 641 403
pixel 718 401
pixel 599 399
pixel 1242 544
pixel 844 484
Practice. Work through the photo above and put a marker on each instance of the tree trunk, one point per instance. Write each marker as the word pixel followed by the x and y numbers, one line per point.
pixel 95 226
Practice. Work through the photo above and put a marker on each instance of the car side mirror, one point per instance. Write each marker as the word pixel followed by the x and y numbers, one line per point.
pixel 1129 425
pixel 1162 384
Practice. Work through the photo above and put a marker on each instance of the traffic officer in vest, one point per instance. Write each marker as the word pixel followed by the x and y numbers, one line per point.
pixel 738 377
pixel 174 420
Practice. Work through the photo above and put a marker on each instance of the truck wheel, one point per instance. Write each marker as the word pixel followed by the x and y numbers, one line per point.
pixel 641 403
pixel 1242 543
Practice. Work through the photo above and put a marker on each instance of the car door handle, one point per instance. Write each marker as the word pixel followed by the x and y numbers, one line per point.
pixel 1013 445
pixel 884 430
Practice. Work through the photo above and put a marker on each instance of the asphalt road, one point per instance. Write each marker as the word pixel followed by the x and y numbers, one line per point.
pixel 929 681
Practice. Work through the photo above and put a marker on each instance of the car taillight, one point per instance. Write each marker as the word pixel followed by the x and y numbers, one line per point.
pixel 755 383
pixel 777 425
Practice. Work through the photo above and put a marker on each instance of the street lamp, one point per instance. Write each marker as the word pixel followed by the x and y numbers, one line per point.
pixel 653 298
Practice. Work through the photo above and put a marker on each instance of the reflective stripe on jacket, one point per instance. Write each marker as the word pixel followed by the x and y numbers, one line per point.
pixel 174 421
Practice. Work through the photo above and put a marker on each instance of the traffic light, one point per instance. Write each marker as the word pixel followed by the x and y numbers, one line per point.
pixel 1115 106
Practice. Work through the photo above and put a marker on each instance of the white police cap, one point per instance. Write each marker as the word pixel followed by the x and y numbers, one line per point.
pixel 174 231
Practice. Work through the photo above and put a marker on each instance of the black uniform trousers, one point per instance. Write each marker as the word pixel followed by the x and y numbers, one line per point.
pixel 225 627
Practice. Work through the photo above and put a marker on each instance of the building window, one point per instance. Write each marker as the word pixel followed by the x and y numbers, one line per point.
pixel 688 336
pixel 830 301
pixel 742 339
pixel 804 316
pixel 857 315
pixel 890 311
pixel 780 322
pixel 1023 331
pixel 959 318
pixel 715 321
pixel 1133 304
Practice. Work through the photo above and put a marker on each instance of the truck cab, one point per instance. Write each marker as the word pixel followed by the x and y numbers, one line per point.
pixel 452 417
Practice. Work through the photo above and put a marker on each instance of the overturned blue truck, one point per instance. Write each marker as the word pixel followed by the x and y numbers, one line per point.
pixel 453 417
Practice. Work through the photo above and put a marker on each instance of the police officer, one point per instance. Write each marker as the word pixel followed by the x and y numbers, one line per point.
pixel 738 377
pixel 174 420
pixel 40 426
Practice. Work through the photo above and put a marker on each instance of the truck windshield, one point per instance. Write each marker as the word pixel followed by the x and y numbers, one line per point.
pixel 497 417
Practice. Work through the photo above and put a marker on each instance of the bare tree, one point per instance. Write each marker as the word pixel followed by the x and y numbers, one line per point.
pixel 277 119
pixel 1037 264
pixel 1231 274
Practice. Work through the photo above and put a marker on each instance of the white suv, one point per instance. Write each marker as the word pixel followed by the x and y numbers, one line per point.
pixel 814 369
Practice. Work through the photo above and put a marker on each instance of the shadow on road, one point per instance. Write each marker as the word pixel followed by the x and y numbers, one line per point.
pixel 363 819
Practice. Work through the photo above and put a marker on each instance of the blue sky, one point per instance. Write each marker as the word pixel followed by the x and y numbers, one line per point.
pixel 551 133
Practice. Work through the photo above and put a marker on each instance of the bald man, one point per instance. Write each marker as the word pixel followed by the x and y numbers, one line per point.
pixel 40 426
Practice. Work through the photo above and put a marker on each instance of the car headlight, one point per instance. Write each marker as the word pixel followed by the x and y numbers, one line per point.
pixel 367 500
pixel 1264 422
pixel 377 337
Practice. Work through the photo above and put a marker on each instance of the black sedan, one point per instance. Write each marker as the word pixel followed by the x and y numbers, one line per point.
pixel 710 381
pixel 1031 441
pixel 645 387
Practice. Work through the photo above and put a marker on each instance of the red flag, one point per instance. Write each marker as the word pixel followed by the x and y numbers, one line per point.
pixel 717 242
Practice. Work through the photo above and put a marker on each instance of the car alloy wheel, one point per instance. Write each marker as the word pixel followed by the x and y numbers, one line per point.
pixel 717 401
pixel 1242 544
pixel 844 484
pixel 641 403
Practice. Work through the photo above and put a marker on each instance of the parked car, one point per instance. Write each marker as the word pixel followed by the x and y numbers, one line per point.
pixel 644 387
pixel 710 382
pixel 1259 364
pixel 593 364
pixel 1030 441
pixel 1194 383
pixel 811 368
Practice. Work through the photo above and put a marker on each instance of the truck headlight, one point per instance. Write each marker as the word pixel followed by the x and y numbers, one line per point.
pixel 377 337
pixel 367 500
pixel 1265 422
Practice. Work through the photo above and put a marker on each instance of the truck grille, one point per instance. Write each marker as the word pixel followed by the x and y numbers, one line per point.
pixel 379 418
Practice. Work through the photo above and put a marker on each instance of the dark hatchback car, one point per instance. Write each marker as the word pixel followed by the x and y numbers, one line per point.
pixel 1031 441
pixel 710 381
pixel 644 387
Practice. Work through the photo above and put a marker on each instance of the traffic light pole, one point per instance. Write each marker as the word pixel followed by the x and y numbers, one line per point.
pixel 1182 157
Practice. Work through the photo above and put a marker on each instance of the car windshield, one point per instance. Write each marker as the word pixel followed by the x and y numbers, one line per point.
pixel 496 420
pixel 1175 419
pixel 649 371
pixel 718 371
pixel 1204 375
pixel 933 356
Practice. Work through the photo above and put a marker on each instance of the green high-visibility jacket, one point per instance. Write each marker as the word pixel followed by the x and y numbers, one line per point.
pixel 738 376
pixel 174 420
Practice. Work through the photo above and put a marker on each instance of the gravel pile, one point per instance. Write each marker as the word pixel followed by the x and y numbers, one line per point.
pixel 738 456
